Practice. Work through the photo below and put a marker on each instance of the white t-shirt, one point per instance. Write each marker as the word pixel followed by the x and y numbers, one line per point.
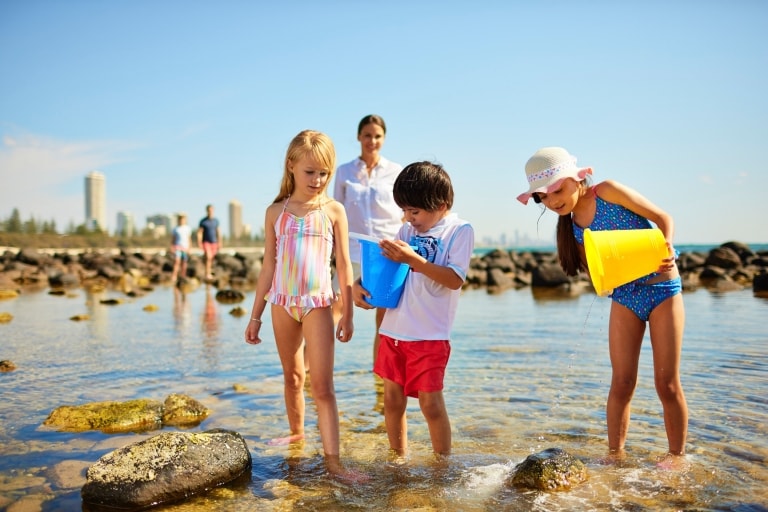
pixel 368 200
pixel 181 236
pixel 426 310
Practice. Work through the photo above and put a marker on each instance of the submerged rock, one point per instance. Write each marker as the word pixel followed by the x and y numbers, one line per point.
pixel 182 410
pixel 230 296
pixel 131 416
pixel 7 366
pixel 166 468
pixel 551 470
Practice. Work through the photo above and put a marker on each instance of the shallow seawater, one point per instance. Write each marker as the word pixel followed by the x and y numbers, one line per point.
pixel 529 371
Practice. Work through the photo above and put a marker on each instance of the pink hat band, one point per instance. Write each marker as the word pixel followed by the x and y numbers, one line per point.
pixel 547 169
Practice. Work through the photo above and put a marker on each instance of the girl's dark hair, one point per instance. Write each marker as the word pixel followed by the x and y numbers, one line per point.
pixel 371 119
pixel 423 185
pixel 567 247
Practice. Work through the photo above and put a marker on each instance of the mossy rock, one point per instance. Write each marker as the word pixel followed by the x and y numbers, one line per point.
pixel 551 470
pixel 109 417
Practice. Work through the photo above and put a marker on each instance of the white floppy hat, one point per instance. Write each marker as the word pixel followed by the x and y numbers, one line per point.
pixel 547 168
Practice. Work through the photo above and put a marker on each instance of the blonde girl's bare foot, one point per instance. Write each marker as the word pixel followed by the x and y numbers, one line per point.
pixel 341 474
pixel 285 441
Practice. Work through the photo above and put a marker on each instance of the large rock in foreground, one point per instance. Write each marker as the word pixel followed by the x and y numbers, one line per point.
pixel 551 470
pixel 166 468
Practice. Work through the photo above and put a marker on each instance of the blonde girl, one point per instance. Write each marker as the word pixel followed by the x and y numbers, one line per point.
pixel 304 228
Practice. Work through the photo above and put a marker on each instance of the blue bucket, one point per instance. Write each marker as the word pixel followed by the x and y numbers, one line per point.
pixel 383 278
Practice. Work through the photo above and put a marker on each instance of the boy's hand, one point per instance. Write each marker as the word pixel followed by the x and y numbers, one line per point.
pixel 359 295
pixel 397 250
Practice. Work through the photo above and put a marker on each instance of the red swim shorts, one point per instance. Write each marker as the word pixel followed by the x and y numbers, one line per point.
pixel 210 249
pixel 415 365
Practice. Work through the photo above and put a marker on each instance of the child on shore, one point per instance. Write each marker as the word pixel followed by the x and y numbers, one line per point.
pixel 556 182
pixel 414 346
pixel 181 242
pixel 304 227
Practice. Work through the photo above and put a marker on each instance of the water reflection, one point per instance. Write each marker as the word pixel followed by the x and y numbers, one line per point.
pixel 182 313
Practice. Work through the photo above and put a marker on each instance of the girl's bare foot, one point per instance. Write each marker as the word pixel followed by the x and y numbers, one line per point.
pixel 285 441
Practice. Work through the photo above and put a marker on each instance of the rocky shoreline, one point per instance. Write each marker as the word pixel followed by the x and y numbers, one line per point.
pixel 728 267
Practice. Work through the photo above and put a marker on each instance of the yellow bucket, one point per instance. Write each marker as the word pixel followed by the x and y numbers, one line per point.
pixel 617 257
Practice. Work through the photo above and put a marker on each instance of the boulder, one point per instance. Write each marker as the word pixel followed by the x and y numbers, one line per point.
pixel 550 470
pixel 166 468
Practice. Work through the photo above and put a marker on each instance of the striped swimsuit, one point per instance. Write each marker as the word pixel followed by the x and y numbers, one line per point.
pixel 302 279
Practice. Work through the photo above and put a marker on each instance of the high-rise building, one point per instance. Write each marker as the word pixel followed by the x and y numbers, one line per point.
pixel 96 201
pixel 161 225
pixel 125 224
pixel 235 219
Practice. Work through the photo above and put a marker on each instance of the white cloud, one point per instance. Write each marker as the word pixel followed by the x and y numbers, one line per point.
pixel 43 176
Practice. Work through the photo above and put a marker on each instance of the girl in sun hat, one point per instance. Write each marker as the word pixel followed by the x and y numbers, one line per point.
pixel 555 181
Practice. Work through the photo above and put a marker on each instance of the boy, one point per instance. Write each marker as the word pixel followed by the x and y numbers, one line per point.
pixel 414 346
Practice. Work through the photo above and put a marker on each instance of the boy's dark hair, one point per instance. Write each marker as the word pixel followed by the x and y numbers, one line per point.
pixel 423 185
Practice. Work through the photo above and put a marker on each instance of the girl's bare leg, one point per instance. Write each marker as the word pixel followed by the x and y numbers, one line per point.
pixel 625 337
pixel 288 337
pixel 667 323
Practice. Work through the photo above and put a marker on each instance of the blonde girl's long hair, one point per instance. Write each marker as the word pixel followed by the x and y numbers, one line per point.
pixel 319 147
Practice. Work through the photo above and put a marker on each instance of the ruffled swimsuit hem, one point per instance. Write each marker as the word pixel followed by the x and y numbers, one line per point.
pixel 301 301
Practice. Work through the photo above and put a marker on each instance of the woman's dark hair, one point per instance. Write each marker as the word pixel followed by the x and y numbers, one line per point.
pixel 371 119
pixel 423 185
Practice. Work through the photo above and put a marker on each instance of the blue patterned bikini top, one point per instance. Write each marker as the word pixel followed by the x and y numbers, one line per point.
pixel 611 216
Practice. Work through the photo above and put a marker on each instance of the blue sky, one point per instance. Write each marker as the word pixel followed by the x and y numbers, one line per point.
pixel 184 103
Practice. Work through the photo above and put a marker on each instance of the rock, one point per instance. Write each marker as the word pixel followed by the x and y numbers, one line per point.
pixel 5 317
pixel 723 257
pixel 8 294
pixel 238 311
pixel 760 284
pixel 166 468
pixel 229 296
pixel 551 470
pixel 182 410
pixel 7 366
pixel 131 416
pixel 549 275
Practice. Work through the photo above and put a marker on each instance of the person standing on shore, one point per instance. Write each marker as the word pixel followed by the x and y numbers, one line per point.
pixel 560 185
pixel 364 187
pixel 303 229
pixel 209 239
pixel 415 347
pixel 181 242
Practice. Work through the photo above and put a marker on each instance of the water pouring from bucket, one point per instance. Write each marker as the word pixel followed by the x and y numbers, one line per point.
pixel 616 257
pixel 383 278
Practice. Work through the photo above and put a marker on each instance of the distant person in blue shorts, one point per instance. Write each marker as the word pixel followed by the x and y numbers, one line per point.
pixel 209 239
pixel 556 182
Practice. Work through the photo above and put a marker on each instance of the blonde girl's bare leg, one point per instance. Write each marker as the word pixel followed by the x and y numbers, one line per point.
pixel 625 337
pixel 320 344
pixel 288 338
pixel 395 403
pixel 667 324
pixel 433 408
